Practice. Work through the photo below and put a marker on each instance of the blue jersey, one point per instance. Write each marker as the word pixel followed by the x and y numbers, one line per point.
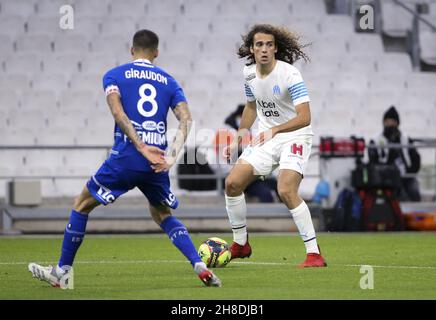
pixel 147 92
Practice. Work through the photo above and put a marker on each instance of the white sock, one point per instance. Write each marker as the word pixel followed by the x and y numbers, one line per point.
pixel 303 221
pixel 237 213
pixel 199 267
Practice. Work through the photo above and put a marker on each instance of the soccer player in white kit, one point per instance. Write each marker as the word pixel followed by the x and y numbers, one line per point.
pixel 277 96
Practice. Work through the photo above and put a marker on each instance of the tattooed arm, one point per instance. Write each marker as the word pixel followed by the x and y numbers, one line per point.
pixel 153 154
pixel 182 113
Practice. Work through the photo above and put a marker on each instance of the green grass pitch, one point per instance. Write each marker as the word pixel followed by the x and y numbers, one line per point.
pixel 149 267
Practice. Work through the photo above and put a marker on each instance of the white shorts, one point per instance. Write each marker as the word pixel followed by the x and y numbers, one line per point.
pixel 284 151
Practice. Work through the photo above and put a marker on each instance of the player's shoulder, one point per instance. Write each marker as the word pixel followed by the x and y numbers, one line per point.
pixel 249 72
pixel 287 67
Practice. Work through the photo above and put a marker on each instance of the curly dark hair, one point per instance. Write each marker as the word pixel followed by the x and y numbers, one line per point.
pixel 288 47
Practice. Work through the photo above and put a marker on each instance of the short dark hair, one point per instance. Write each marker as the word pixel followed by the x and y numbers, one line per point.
pixel 145 40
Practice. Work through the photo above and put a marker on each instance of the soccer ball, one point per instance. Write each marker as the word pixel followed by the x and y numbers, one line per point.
pixel 214 252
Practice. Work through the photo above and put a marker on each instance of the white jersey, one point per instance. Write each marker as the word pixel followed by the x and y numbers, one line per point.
pixel 276 96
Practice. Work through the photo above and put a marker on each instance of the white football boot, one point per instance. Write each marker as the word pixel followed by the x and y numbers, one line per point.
pixel 206 276
pixel 49 274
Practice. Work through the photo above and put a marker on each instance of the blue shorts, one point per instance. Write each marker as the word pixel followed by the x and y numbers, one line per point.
pixel 111 182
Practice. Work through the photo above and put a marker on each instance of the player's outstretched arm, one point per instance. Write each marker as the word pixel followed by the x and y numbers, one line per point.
pixel 248 117
pixel 182 113
pixel 301 120
pixel 153 154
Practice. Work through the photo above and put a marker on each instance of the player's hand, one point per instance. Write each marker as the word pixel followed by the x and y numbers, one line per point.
pixel 165 166
pixel 153 154
pixel 263 137
pixel 228 151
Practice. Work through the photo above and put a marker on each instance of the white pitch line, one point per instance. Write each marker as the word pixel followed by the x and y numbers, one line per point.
pixel 234 262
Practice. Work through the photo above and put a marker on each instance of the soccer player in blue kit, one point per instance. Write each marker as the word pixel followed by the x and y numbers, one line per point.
pixel 139 95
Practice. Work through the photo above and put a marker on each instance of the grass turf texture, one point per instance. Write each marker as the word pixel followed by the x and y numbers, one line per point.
pixel 149 267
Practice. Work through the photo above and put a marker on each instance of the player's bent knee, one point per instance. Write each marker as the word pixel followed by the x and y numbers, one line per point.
pixel 85 202
pixel 287 195
pixel 159 214
pixel 233 187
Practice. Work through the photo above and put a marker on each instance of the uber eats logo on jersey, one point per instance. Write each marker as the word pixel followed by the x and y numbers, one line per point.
pixel 268 108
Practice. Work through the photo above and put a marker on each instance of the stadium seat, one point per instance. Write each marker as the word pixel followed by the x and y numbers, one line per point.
pixel 394 63
pixel 95 137
pixel 31 119
pixel 40 44
pixel 22 63
pixel 395 19
pixel 369 43
pixel 334 25
pixel 9 100
pixel 278 11
pixel 321 64
pixel 40 163
pixel 377 102
pixel 308 30
pixel 45 100
pixel 427 43
pixel 330 45
pixel 164 26
pixel 199 9
pixel 313 8
pixel 199 27
pixel 356 82
pixel 98 63
pixel 110 45
pixel 318 81
pixel 227 102
pixel 85 7
pixel 421 81
pixel 127 8
pixel 172 65
pixel 83 163
pixel 202 82
pixel 235 9
pixel 219 45
pixel 11 25
pixel 392 82
pixel 81 101
pixel 223 26
pixel 88 26
pixel 43 25
pixel 14 83
pixel 56 82
pixel 71 43
pixel 211 65
pixel 62 134
pixel 6 45
pixel 12 161
pixel 171 8
pixel 67 62
pixel 120 25
pixel 47 8
pixel 23 8
pixel 347 102
pixel 416 103
pixel 87 81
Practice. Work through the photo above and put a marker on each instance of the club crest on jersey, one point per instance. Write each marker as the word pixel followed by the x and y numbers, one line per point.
pixel 276 90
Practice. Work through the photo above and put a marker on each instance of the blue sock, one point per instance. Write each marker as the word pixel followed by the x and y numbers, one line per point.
pixel 179 235
pixel 73 237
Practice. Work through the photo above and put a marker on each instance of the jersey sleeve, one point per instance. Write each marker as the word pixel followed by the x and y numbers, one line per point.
pixel 297 88
pixel 110 84
pixel 178 95
pixel 248 93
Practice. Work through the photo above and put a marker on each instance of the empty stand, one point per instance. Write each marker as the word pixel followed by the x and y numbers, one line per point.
pixel 51 79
